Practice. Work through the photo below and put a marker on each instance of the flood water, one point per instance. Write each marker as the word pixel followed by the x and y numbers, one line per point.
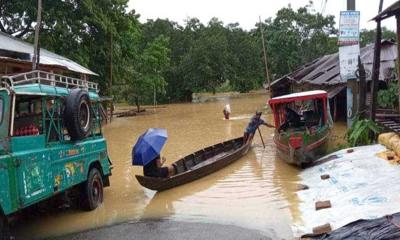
pixel 256 192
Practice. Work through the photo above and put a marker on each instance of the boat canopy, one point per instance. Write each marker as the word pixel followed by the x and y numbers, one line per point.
pixel 319 105
pixel 300 96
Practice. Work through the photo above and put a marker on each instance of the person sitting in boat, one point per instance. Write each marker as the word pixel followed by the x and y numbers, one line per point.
pixel 251 128
pixel 292 119
pixel 155 168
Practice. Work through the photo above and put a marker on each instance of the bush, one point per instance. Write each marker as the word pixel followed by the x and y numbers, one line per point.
pixel 388 98
pixel 362 132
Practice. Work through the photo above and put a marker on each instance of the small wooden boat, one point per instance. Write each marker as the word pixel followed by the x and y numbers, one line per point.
pixel 302 126
pixel 199 164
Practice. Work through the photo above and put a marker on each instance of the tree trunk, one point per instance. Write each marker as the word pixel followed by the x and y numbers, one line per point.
pixel 35 59
pixel 137 104
pixel 376 64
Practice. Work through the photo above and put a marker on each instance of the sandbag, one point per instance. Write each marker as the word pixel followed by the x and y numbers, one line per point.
pixel 396 148
pixel 384 138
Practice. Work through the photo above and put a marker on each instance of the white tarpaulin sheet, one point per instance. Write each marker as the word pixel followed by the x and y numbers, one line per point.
pixel 361 186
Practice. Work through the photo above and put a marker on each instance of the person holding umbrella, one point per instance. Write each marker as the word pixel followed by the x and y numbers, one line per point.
pixel 155 168
pixel 146 153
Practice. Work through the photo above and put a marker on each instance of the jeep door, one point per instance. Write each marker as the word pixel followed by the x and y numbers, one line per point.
pixel 8 194
pixel 29 151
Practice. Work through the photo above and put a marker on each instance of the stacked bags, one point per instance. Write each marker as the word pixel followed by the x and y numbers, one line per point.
pixel 391 141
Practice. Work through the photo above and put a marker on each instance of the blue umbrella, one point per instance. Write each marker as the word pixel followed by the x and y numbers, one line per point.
pixel 148 146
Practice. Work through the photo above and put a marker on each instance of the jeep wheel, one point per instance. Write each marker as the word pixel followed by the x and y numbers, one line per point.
pixel 4 227
pixel 77 114
pixel 92 190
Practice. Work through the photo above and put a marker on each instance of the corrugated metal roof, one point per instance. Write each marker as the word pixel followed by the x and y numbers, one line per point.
pixel 326 70
pixel 388 12
pixel 9 43
pixel 335 91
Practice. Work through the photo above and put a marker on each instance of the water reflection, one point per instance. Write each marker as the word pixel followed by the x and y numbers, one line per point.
pixel 162 203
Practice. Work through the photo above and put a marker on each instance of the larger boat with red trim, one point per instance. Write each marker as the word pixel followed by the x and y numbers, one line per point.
pixel 302 126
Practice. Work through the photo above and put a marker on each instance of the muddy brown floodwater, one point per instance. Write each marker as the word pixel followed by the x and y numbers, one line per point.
pixel 256 192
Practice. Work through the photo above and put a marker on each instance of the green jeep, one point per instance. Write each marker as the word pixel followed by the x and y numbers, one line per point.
pixel 50 142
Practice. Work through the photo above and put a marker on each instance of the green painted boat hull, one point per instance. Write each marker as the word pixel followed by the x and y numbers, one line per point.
pixel 314 146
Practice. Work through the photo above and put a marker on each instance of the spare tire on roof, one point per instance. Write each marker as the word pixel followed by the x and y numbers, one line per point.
pixel 78 114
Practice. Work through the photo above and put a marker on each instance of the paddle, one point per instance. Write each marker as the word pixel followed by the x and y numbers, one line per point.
pixel 262 140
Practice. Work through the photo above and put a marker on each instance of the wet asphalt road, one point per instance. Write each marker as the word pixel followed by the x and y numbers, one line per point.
pixel 169 230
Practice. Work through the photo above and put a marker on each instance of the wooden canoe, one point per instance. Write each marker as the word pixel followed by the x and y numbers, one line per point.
pixel 198 164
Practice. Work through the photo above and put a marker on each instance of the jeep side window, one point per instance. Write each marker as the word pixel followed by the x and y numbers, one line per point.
pixel 27 120
pixel 53 119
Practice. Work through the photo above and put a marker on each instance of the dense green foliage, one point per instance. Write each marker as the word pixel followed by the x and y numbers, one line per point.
pixel 362 132
pixel 164 59
pixel 368 36
pixel 298 37
pixel 389 98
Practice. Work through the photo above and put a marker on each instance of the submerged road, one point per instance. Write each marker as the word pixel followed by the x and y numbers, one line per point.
pixel 169 230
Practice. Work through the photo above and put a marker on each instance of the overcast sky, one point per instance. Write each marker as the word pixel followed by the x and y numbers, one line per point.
pixel 246 12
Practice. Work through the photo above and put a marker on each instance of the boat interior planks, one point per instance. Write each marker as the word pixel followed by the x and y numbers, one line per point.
pixel 198 164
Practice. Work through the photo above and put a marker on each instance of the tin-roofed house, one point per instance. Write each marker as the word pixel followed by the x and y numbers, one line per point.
pixel 16 57
pixel 323 73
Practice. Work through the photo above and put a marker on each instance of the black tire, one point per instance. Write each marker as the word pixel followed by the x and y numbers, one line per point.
pixel 78 114
pixel 4 228
pixel 92 190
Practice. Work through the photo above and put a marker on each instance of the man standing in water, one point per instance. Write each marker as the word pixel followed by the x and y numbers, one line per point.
pixel 227 111
pixel 251 129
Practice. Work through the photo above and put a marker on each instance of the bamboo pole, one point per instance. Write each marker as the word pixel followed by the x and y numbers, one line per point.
pixel 265 55
pixel 36 57
pixel 110 80
pixel 262 139
pixel 376 64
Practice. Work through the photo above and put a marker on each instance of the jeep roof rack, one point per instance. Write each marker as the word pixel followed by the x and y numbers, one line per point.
pixel 46 78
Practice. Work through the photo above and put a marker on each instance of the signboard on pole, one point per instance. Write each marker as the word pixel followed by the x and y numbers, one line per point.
pixel 349 42
pixel 348 60
pixel 349 50
pixel 349 28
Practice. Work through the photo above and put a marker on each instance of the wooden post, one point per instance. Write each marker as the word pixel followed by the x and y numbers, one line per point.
pixel 352 90
pixel 335 108
pixel 110 80
pixel 362 89
pixel 265 56
pixel 35 58
pixel 376 64
pixel 111 110
pixel 351 4
pixel 398 54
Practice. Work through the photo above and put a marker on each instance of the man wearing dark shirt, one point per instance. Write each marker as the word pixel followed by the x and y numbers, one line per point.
pixel 155 169
pixel 251 128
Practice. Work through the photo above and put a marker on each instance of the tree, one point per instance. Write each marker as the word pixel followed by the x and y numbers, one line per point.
pixel 153 62
pixel 207 63
pixel 245 59
pixel 70 28
pixel 17 17
pixel 368 36
pixel 160 54
pixel 297 37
